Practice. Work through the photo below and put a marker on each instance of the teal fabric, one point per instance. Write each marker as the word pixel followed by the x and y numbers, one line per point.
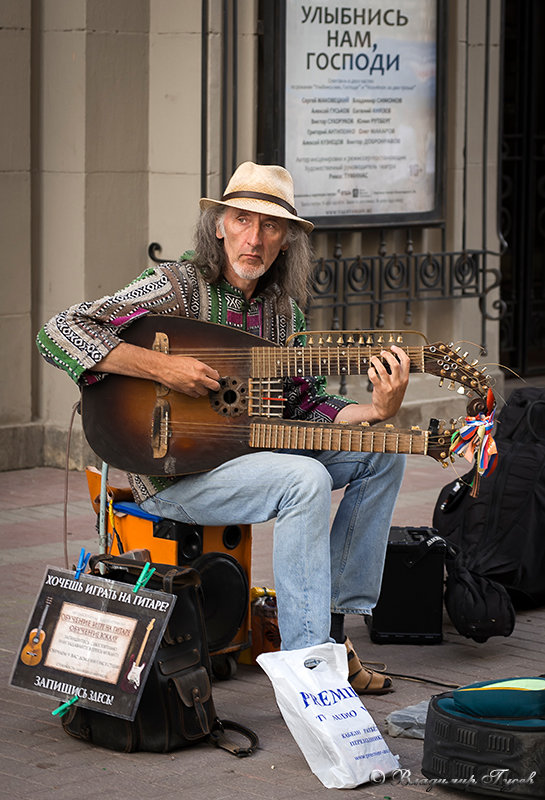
pixel 507 699
pixel 447 705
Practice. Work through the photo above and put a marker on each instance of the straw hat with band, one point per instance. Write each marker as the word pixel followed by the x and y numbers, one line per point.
pixel 264 189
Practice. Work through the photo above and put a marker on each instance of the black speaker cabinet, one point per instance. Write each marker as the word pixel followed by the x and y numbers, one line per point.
pixel 410 606
pixel 222 555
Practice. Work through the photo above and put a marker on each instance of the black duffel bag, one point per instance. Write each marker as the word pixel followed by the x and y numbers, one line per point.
pixel 176 708
pixel 500 533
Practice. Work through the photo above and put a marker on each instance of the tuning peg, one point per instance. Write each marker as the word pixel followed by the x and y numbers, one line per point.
pixel 380 339
pixel 457 349
pixel 399 339
pixel 350 339
pixel 340 340
pixel 465 355
pixel 361 339
pixel 415 427
pixel 329 339
pixel 441 382
pixel 391 338
pixel 310 340
pixel 366 424
pixel 388 425
pixel 451 386
pixel 321 340
pixel 461 390
pixel 369 340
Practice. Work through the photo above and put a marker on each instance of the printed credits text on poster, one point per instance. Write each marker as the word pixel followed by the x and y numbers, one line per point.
pixel 361 107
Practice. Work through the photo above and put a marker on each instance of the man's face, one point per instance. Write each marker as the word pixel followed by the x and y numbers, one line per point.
pixel 252 241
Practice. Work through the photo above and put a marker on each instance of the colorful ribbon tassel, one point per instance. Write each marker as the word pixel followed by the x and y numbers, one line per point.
pixel 475 443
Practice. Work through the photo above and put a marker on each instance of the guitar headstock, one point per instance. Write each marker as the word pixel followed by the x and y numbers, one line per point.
pixel 439 437
pixel 449 365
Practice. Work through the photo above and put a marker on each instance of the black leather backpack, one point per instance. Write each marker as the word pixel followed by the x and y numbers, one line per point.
pixel 176 708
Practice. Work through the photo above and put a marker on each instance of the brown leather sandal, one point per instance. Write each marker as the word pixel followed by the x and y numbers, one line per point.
pixel 363 680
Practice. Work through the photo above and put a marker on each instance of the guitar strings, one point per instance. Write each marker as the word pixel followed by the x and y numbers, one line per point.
pixel 291 350
pixel 234 357
pixel 236 431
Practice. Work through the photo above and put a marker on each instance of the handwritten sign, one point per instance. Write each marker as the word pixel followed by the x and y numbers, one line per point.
pixel 94 638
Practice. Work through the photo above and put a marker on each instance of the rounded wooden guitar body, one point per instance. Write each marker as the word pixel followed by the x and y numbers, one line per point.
pixel 120 413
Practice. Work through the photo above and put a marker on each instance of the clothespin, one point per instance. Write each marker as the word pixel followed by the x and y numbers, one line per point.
pixel 60 710
pixel 111 518
pixel 144 576
pixel 82 563
pixel 111 511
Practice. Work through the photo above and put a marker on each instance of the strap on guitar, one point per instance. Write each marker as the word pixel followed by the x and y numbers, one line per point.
pixel 218 733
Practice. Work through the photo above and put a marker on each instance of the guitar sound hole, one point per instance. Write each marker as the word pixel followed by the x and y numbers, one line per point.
pixel 231 400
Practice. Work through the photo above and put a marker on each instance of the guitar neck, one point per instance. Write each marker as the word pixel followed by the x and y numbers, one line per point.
pixel 144 642
pixel 44 614
pixel 355 438
pixel 280 362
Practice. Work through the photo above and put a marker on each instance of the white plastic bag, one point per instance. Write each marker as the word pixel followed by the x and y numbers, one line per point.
pixel 336 733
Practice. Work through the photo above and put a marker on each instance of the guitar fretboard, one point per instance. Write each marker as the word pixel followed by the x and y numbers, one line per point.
pixel 358 438
pixel 271 362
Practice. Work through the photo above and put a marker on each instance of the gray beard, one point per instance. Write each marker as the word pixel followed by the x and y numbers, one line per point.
pixel 248 273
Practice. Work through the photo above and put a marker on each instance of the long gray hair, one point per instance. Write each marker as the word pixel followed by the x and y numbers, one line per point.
pixel 289 274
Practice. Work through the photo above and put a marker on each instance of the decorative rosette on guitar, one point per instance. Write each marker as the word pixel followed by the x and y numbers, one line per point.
pixel 474 441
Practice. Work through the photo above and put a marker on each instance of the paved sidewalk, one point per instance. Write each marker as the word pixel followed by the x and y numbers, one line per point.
pixel 38 761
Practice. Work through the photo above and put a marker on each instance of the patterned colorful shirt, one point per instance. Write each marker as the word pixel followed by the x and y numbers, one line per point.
pixel 77 339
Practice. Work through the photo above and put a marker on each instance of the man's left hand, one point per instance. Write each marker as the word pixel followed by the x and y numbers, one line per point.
pixel 389 375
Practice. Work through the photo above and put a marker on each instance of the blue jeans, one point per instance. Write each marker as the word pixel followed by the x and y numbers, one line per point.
pixel 315 571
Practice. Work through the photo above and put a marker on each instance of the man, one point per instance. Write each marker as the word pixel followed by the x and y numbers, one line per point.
pixel 250 268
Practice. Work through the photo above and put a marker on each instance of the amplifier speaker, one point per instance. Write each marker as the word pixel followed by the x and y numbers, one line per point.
pixel 410 606
pixel 221 554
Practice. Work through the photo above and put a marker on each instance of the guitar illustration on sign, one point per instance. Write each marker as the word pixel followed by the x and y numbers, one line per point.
pixel 32 654
pixel 131 681
pixel 141 426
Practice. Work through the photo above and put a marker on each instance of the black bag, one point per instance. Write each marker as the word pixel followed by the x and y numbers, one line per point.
pixel 176 708
pixel 488 755
pixel 501 532
pixel 477 606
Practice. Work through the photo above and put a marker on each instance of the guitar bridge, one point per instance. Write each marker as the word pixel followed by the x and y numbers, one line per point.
pixel 161 344
pixel 159 428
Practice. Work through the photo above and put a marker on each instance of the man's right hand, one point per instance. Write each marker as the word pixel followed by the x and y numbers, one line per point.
pixel 182 373
pixel 189 376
